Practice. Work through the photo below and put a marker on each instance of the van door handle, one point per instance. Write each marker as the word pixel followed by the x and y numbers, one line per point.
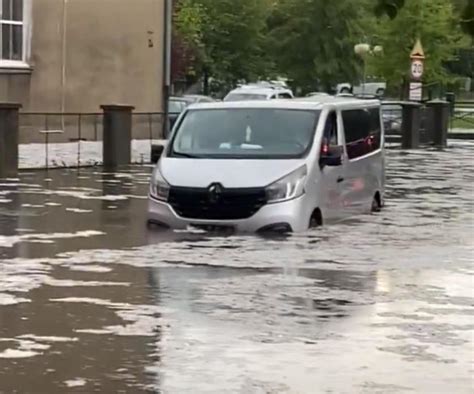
pixel 340 179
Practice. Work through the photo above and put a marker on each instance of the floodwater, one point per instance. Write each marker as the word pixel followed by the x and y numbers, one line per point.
pixel 93 301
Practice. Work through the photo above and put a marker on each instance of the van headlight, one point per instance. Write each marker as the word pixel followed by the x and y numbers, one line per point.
pixel 159 188
pixel 287 188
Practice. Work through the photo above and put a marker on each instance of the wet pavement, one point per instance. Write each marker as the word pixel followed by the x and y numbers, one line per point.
pixel 91 300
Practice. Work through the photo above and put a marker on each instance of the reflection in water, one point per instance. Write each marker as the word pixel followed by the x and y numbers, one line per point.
pixel 339 308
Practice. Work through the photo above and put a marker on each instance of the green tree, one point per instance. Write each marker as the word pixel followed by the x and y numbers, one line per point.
pixel 312 41
pixel 187 50
pixel 229 35
pixel 467 20
pixel 435 23
pixel 234 39
pixel 388 7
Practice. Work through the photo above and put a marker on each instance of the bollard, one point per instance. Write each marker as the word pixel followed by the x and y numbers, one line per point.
pixel 117 124
pixel 451 99
pixel 9 130
pixel 439 122
pixel 411 124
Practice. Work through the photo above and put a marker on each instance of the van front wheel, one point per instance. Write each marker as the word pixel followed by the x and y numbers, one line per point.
pixel 316 219
pixel 376 203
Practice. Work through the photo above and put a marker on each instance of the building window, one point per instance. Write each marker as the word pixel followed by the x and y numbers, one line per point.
pixel 13 32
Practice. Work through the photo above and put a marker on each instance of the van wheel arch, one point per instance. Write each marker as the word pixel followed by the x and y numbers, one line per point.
pixel 316 218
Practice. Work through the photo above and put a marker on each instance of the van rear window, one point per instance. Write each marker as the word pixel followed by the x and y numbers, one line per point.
pixel 362 131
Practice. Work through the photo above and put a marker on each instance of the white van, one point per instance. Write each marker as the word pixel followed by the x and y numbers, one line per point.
pixel 270 165
pixel 259 92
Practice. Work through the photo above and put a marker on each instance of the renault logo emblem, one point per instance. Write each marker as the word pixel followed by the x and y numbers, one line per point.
pixel 215 192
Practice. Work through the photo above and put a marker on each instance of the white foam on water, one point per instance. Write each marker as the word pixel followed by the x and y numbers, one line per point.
pixel 52 204
pixel 15 353
pixel 18 184
pixel 81 195
pixel 78 210
pixel 90 268
pixel 32 205
pixel 139 320
pixel 25 348
pixel 76 382
pixel 93 331
pixel 9 299
pixel 10 241
pixel 80 283
pixel 48 338
pixel 65 154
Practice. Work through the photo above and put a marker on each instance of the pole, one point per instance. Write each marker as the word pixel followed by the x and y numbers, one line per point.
pixel 365 75
pixel 168 12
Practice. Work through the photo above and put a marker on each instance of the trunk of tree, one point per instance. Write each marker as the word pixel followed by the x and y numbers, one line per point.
pixel 206 82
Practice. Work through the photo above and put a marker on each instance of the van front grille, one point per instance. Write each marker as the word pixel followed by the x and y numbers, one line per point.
pixel 229 204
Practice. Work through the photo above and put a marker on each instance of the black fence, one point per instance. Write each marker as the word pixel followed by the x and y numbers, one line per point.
pixel 461 122
pixel 71 127
pixel 75 139
pixel 462 116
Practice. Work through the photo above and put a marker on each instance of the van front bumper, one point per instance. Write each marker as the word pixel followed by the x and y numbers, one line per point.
pixel 292 214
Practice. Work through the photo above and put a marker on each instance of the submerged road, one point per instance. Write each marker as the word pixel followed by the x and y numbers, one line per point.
pixel 93 301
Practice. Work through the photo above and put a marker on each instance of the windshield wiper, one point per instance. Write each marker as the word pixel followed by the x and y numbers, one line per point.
pixel 187 155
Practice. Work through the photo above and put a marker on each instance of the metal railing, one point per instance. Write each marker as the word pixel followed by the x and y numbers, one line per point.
pixel 79 132
pixel 462 116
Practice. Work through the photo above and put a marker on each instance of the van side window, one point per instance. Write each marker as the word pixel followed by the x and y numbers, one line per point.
pixel 375 128
pixel 330 132
pixel 362 131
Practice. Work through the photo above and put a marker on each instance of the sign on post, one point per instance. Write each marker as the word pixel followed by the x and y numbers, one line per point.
pixel 417 69
pixel 416 91
pixel 417 57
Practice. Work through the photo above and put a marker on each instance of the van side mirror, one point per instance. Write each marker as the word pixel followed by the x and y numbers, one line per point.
pixel 332 157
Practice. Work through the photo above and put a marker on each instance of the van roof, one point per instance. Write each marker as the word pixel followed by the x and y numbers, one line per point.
pixel 308 103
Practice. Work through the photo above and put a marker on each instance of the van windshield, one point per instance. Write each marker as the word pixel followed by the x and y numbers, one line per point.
pixel 260 133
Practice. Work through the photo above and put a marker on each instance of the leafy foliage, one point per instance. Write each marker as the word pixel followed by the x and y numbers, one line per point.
pixel 388 7
pixel 467 20
pixel 312 41
pixel 229 35
pixel 434 22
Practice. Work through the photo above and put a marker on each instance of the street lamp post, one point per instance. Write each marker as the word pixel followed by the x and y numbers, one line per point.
pixel 168 23
pixel 363 50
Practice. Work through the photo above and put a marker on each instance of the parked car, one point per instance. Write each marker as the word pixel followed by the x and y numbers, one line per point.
pixel 176 105
pixel 368 88
pixel 259 92
pixel 392 117
pixel 281 165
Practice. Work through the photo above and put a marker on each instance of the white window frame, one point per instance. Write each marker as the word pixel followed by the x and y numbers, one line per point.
pixel 26 23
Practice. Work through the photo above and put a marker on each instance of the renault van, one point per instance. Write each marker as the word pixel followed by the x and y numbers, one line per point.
pixel 283 165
